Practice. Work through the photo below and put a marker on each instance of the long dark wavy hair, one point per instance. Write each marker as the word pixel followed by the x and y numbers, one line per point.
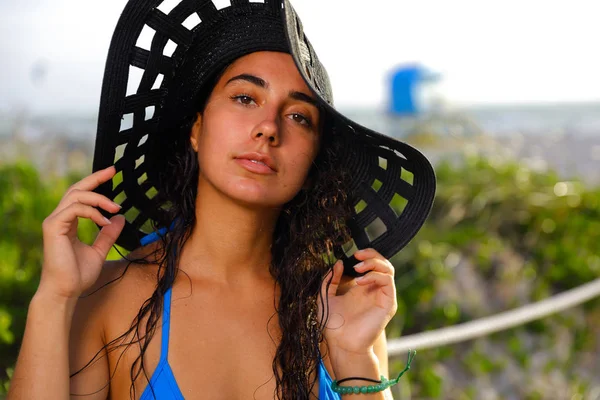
pixel 306 232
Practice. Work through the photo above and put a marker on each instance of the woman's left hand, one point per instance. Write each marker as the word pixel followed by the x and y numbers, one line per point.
pixel 359 308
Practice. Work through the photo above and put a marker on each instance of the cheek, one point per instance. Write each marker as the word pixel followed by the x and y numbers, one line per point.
pixel 215 142
pixel 302 161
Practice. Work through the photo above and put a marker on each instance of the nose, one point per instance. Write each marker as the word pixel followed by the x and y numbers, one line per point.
pixel 268 130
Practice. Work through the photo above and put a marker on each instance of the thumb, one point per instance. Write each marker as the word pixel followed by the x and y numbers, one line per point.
pixel 333 278
pixel 108 235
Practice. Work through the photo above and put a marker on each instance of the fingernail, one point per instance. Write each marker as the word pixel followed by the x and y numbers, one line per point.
pixel 107 221
pixel 118 205
pixel 359 265
pixel 360 278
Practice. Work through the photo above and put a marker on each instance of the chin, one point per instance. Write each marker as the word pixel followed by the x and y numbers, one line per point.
pixel 253 193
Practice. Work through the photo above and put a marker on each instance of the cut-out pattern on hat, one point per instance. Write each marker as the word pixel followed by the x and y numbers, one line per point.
pixel 170 48
pixel 134 79
pixel 220 4
pixel 117 179
pixel 120 198
pixel 361 205
pixel 398 204
pixel 382 162
pixel 126 122
pixel 168 5
pixel 143 140
pixel 140 161
pixel 149 112
pixel 132 214
pixel 144 41
pixel 150 193
pixel 407 176
pixel 119 152
pixel 398 154
pixel 376 185
pixel 142 178
pixel 350 248
pixel 158 81
pixel 375 229
pixel 192 21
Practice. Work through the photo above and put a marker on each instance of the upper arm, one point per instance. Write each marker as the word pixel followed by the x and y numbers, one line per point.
pixel 88 358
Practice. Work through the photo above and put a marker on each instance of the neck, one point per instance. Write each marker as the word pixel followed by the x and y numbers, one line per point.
pixel 230 241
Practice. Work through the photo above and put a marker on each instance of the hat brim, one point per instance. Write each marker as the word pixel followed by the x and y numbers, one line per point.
pixel 393 183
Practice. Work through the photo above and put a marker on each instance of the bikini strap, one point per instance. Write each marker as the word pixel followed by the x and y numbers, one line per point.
pixel 166 317
pixel 166 325
pixel 152 237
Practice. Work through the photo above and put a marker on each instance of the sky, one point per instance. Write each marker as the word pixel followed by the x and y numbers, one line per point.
pixel 52 52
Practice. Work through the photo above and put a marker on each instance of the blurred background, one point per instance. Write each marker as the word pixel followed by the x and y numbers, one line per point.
pixel 503 96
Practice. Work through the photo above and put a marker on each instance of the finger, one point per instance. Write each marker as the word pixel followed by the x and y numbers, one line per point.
pixel 108 235
pixel 377 278
pixel 375 264
pixel 94 180
pixel 370 252
pixel 77 210
pixel 87 198
pixel 383 285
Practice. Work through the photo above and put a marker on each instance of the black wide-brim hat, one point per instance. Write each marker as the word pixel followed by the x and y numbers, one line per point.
pixel 393 184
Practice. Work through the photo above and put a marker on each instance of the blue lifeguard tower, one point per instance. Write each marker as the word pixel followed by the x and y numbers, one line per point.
pixel 406 84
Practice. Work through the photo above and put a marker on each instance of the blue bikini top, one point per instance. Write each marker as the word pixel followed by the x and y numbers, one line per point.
pixel 163 381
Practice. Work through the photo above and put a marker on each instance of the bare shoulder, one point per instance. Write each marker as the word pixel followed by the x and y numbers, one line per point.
pixel 122 287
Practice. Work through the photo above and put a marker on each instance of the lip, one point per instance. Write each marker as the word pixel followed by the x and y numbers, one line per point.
pixel 257 162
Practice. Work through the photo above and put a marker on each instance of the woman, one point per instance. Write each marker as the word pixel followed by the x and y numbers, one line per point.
pixel 236 195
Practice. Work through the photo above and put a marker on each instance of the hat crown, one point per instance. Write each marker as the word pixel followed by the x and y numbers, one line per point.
pixel 311 69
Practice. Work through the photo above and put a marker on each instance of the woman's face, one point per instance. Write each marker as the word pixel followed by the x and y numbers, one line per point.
pixel 259 132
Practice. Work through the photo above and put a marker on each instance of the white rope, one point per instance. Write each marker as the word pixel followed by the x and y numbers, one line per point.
pixel 495 323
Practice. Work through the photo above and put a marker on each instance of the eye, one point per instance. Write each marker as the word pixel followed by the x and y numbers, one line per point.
pixel 243 99
pixel 301 119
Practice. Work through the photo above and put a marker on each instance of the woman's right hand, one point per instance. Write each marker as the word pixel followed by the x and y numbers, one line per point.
pixel 70 267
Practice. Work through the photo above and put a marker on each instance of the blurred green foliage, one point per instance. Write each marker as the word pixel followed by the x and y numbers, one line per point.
pixel 25 201
pixel 499 236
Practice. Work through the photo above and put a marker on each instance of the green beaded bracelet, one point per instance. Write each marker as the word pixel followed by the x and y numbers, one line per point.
pixel 380 387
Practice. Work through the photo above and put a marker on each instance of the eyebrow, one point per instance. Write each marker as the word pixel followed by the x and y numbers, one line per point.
pixel 303 97
pixel 264 84
pixel 249 78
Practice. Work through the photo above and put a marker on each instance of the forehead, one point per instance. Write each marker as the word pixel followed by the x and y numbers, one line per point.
pixel 273 67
